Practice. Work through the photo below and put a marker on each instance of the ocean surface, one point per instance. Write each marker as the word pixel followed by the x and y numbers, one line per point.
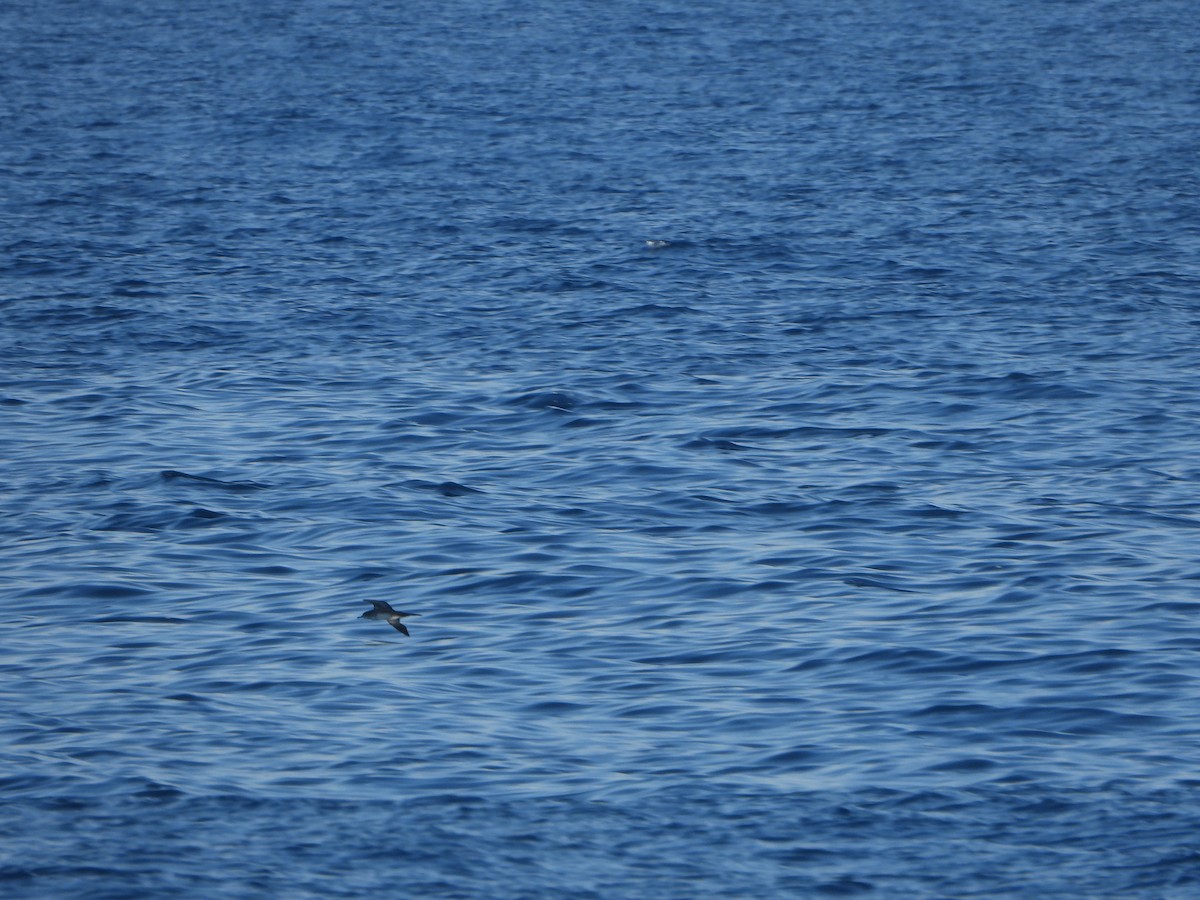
pixel 784 417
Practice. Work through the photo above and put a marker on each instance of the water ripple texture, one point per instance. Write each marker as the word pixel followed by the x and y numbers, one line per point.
pixel 783 418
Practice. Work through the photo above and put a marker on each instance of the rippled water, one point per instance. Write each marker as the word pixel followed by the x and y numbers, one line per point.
pixel 782 416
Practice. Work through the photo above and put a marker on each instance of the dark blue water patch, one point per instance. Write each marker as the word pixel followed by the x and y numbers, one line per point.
pixel 186 479
pixel 151 521
pixel 464 843
pixel 95 591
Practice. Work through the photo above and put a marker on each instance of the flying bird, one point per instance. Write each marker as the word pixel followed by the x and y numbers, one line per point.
pixel 383 611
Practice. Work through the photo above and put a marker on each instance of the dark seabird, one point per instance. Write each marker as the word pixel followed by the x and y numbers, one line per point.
pixel 383 611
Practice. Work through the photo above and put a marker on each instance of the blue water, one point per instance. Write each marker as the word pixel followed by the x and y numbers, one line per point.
pixel 783 417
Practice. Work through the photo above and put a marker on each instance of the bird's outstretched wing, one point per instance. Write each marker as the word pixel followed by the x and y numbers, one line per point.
pixel 380 606
pixel 399 626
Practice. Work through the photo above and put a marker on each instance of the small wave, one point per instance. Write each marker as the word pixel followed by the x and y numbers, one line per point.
pixel 239 487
